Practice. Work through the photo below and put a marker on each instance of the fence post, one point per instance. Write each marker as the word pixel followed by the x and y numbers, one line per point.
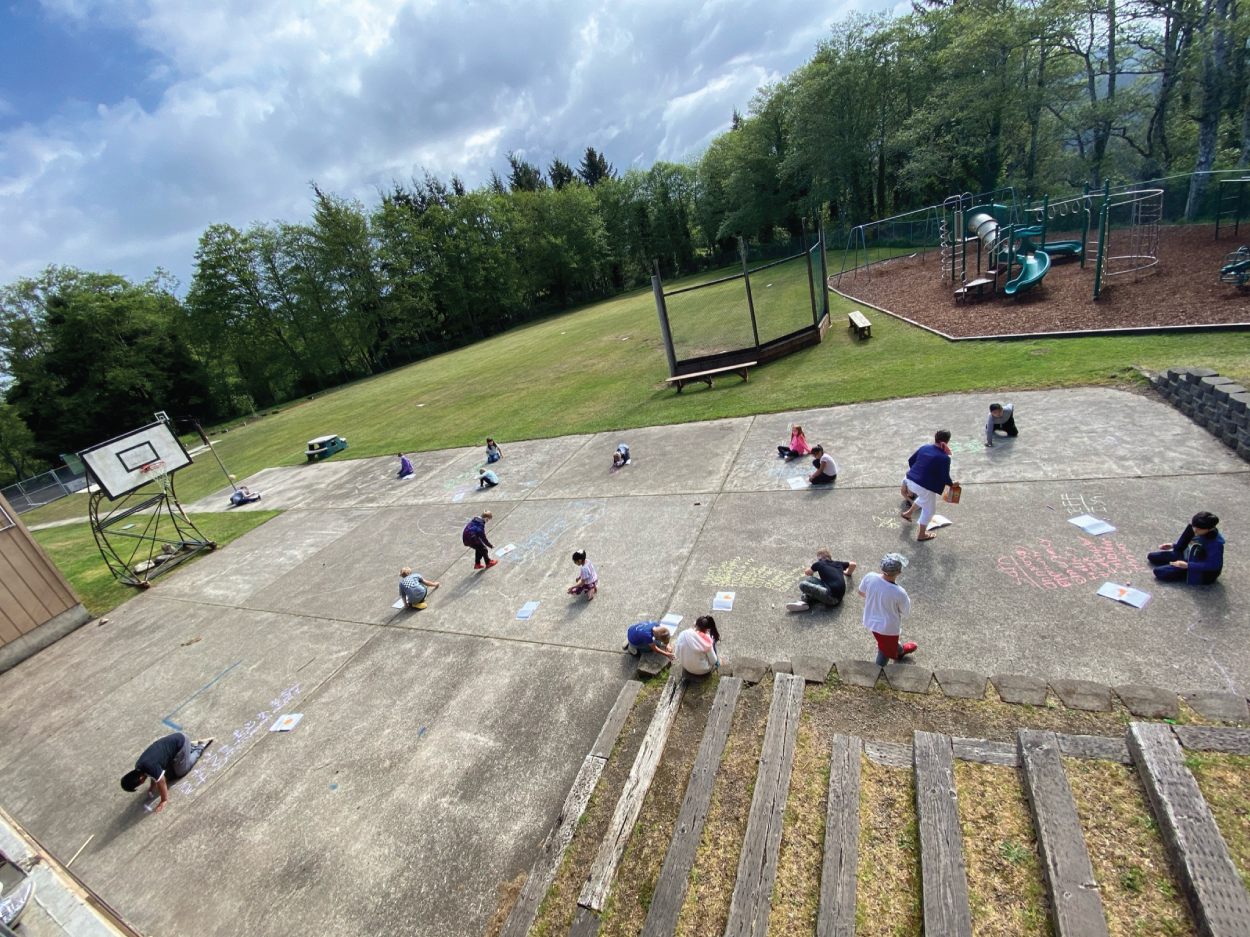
pixel 811 282
pixel 1085 213
pixel 1103 219
pixel 824 268
pixel 657 287
pixel 746 278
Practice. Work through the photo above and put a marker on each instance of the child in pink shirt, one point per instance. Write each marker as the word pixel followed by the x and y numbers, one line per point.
pixel 798 444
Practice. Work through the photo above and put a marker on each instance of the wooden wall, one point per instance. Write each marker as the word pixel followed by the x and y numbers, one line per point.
pixel 32 589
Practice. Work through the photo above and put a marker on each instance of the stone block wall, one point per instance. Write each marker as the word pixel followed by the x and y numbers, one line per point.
pixel 1211 401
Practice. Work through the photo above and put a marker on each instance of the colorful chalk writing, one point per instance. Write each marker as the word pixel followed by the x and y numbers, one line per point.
pixel 1053 566
pixel 889 523
pixel 965 445
pixel 747 574
pixel 1079 503
pixel 217 757
pixel 577 514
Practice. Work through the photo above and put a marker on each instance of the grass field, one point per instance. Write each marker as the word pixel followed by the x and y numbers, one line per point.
pixel 603 366
pixel 74 551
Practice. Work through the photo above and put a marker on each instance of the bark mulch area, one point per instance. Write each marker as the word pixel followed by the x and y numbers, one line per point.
pixel 1183 289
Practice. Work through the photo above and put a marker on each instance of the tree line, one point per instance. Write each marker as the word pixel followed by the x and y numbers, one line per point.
pixel 889 114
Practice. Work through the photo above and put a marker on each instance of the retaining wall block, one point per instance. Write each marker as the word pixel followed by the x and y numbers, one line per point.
pixel 1194 375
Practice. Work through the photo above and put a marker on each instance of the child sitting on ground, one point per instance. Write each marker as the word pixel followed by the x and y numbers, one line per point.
pixel 486 478
pixel 413 589
pixel 798 444
pixel 823 582
pixel 493 452
pixel 243 495
pixel 620 456
pixel 696 647
pixel 405 466
pixel 586 583
pixel 648 636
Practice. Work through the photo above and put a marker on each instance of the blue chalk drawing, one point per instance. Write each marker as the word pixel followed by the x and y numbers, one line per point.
pixel 577 514
pixel 169 720
pixel 334 787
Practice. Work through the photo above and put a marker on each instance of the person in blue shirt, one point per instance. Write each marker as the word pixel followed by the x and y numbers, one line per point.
pixel 413 588
pixel 649 636
pixel 486 478
pixel 405 466
pixel 928 477
pixel 243 495
pixel 1196 558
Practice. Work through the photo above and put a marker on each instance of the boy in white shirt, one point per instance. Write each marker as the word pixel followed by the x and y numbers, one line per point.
pixel 826 469
pixel 885 605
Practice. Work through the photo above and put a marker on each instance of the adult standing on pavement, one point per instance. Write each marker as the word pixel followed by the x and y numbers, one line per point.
pixel 885 605
pixel 928 477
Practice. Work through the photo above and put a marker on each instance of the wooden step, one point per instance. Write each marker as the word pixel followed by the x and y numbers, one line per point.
pixel 1193 842
pixel 670 887
pixel 757 864
pixel 543 872
pixel 594 893
pixel 836 916
pixel 944 879
pixel 1074 899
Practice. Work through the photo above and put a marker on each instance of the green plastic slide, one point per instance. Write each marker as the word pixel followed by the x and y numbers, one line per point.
pixel 1062 248
pixel 1032 268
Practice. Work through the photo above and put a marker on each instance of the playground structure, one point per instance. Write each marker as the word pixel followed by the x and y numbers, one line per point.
pixel 135 472
pixel 982 239
pixel 732 323
pixel 1229 203
pixel 1236 268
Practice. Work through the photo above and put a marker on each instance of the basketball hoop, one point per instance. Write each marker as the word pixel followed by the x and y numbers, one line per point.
pixel 158 473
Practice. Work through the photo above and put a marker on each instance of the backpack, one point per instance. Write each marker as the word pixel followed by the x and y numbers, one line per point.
pixel 473 532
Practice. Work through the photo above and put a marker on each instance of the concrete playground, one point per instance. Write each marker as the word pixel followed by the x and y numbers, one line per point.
pixel 436 746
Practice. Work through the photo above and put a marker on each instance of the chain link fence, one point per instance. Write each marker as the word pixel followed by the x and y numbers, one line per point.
pixel 44 489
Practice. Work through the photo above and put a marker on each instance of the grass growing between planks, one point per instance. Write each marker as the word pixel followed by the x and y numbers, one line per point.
pixel 73 549
pixel 796 894
pixel 887 901
pixel 706 909
pixel 1140 896
pixel 1225 783
pixel 1005 887
pixel 630 898
pixel 560 903
pixel 602 367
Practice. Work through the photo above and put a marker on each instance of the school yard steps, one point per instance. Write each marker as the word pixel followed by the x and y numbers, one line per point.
pixel 1211 883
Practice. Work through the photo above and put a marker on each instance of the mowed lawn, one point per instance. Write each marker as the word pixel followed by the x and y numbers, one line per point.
pixel 602 367
pixel 76 555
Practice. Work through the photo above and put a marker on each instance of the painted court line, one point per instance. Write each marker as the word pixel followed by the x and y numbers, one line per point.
pixel 169 720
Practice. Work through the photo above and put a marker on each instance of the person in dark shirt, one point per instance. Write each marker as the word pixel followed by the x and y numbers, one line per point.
pixel 1196 558
pixel 823 582
pixel 167 759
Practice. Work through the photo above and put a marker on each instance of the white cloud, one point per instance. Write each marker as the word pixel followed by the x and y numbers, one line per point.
pixel 262 97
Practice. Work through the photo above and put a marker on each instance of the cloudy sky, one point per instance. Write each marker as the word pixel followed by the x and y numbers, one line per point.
pixel 127 126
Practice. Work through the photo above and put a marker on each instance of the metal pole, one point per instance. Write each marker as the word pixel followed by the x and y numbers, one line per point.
pixel 1103 219
pixel 824 268
pixel 811 282
pixel 746 278
pixel 200 430
pixel 657 288
pixel 1084 224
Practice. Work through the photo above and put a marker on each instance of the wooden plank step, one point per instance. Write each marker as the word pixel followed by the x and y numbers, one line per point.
pixel 836 917
pixel 670 887
pixel 1074 898
pixel 585 923
pixel 594 892
pixel 1094 746
pixel 757 864
pixel 1214 738
pixel 986 752
pixel 523 914
pixel 944 879
pixel 1216 893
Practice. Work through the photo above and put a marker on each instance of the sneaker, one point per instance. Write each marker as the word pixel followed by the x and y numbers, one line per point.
pixel 492 563
pixel 478 566
pixel 633 651
pixel 419 605
pixel 908 648
pixel 797 606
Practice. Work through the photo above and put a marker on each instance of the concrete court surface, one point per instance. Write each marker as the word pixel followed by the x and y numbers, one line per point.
pixel 437 746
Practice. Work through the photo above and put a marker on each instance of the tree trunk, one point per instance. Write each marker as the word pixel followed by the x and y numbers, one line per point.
pixel 1213 91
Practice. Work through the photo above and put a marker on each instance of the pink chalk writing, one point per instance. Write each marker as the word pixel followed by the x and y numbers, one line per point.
pixel 217 757
pixel 1052 566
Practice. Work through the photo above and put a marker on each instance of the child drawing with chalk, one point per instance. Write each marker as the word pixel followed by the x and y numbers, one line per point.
pixel 493 452
pixel 621 456
pixel 587 581
pixel 405 466
pixel 413 588
pixel 486 478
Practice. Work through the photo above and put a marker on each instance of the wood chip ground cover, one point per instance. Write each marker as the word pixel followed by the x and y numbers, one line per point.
pixel 796 893
pixel 1005 887
pixel 1225 783
pixel 888 883
pixel 630 899
pixel 560 903
pixel 706 909
pixel 1140 895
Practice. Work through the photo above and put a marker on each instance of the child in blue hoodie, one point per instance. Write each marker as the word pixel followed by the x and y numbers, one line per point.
pixel 1196 558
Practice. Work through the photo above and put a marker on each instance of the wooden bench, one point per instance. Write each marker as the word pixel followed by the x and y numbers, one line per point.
pixel 706 376
pixel 859 322
pixel 978 284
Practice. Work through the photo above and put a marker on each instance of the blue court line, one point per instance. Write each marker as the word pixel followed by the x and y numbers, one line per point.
pixel 168 720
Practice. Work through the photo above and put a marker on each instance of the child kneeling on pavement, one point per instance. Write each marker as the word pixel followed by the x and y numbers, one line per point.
pixel 824 582
pixel 648 636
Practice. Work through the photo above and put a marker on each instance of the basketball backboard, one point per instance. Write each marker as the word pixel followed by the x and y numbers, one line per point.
pixel 116 465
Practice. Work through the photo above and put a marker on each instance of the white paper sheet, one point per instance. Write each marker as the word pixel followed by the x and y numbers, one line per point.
pixel 724 602
pixel 671 620
pixel 526 610
pixel 399 603
pixel 505 549
pixel 1126 594
pixel 1091 525
pixel 286 723
pixel 938 521
pixel 797 482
